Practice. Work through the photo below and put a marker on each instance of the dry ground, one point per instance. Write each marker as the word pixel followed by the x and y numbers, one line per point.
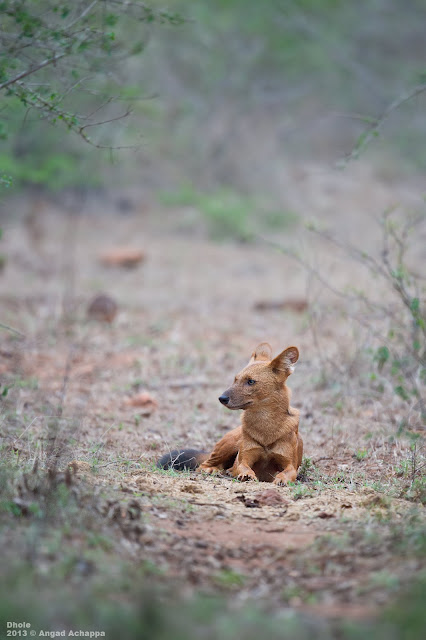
pixel 341 542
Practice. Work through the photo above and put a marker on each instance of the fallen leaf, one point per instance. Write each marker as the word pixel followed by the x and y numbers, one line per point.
pixel 143 399
pixel 298 305
pixel 122 257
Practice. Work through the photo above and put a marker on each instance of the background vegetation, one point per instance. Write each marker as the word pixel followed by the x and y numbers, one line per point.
pixel 217 91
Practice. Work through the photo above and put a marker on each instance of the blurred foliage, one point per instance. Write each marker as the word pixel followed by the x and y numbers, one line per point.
pixel 143 615
pixel 396 320
pixel 60 64
pixel 247 82
pixel 39 154
pixel 304 76
pixel 229 213
pixel 402 360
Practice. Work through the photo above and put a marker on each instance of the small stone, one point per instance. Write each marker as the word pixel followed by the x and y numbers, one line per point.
pixel 102 308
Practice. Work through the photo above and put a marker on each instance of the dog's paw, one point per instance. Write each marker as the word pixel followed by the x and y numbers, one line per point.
pixel 280 481
pixel 210 470
pixel 245 475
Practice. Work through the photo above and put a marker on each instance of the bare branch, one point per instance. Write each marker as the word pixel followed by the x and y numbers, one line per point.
pixel 372 131
pixel 82 15
pixel 96 124
pixel 31 70
pixel 311 270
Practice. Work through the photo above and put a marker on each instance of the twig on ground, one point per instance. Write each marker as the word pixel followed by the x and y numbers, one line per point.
pixel 25 430
pixel 18 333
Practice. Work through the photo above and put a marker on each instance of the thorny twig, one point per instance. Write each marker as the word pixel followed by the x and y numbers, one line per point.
pixel 52 111
pixel 377 123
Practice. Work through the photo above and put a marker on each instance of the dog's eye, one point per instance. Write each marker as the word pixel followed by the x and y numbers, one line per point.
pixel 251 381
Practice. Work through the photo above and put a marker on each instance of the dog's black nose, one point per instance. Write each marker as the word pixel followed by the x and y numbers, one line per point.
pixel 224 399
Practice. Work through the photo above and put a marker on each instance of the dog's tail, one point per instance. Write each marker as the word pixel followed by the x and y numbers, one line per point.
pixel 182 459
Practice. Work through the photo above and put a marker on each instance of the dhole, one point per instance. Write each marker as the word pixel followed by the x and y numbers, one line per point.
pixel 267 445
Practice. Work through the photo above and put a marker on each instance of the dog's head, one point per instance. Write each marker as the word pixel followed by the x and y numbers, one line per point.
pixel 261 378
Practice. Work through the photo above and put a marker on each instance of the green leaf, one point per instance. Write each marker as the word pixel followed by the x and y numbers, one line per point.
pixel 111 20
pixel 5 181
pixel 398 273
pixel 5 391
pixel 381 356
pixel 3 132
pixel 402 392
pixel 396 366
pixel 415 305
pixel 361 140
pixel 416 345
pixel 137 48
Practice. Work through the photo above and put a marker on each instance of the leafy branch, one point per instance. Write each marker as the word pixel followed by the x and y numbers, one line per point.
pixel 65 45
pixel 53 112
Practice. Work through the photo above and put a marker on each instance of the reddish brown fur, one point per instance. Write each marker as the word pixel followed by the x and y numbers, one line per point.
pixel 267 446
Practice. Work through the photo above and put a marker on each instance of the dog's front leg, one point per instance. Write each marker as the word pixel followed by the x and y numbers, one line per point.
pixel 289 474
pixel 286 455
pixel 242 469
pixel 225 452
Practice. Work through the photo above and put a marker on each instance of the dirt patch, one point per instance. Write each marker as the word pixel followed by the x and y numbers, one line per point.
pixel 252 535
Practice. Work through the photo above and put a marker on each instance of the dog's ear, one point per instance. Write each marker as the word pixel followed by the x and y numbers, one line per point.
pixel 285 361
pixel 263 351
